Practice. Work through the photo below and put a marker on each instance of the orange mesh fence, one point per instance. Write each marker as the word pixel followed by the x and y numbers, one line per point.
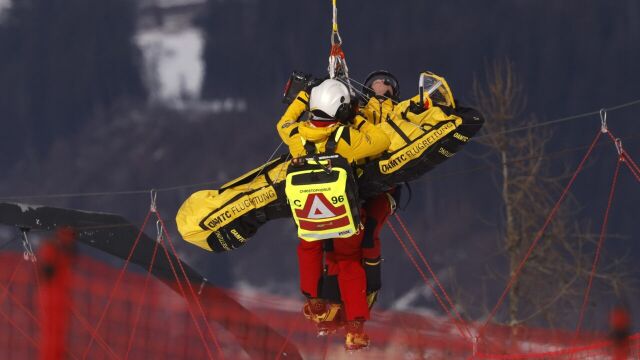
pixel 145 317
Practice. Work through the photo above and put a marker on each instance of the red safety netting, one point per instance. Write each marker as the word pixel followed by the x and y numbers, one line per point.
pixel 146 318
pixel 64 306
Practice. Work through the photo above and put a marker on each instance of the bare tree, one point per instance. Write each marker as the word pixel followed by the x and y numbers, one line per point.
pixel 554 278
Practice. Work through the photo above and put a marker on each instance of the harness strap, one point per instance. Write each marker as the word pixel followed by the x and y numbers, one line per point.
pixel 309 147
pixel 397 129
pixel 331 145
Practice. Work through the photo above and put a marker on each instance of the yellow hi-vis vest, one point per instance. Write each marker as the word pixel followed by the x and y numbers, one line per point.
pixel 323 194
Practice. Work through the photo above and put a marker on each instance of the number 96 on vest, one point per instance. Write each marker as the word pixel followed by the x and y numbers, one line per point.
pixel 319 204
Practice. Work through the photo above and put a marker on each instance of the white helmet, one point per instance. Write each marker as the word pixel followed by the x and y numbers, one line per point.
pixel 330 100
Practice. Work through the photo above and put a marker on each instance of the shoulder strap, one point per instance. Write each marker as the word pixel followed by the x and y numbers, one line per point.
pixel 332 142
pixel 309 147
pixel 331 145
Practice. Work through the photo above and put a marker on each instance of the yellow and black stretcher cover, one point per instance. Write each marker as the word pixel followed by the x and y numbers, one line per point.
pixel 419 142
pixel 224 219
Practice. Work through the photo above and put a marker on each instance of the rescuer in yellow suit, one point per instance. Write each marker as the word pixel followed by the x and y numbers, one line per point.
pixel 380 106
pixel 331 106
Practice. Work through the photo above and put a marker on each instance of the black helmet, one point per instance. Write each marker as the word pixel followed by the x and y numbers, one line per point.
pixel 388 78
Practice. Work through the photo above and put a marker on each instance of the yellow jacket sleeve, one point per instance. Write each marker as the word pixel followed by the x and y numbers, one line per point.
pixel 366 140
pixel 289 121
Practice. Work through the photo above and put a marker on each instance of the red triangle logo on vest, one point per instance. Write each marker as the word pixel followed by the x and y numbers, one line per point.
pixel 318 207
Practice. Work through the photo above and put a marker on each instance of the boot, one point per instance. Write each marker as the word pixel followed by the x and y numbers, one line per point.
pixel 315 309
pixel 333 321
pixel 356 338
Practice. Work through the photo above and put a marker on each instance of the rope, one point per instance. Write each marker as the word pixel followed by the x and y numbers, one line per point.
pixel 633 167
pixel 265 164
pixel 138 192
pixel 22 332
pixel 370 89
pixel 94 333
pixel 561 120
pixel 101 341
pixel 88 327
pixel 5 293
pixel 335 17
pixel 181 187
pixel 426 280
pixel 294 325
pixel 195 297
pixel 184 295
pixel 603 232
pixel 433 274
pixel 336 53
pixel 540 233
pixel 193 293
pixel 550 155
pixel 630 165
pixel 118 280
pixel 630 161
pixel 34 267
pixel 105 193
pixel 142 296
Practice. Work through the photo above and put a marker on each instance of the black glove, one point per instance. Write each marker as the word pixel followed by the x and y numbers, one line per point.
pixel 416 108
pixel 348 115
pixel 413 108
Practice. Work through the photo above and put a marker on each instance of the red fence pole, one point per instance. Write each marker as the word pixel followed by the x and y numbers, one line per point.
pixel 620 323
pixel 55 259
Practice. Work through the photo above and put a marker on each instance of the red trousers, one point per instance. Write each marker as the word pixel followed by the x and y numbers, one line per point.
pixel 378 209
pixel 345 262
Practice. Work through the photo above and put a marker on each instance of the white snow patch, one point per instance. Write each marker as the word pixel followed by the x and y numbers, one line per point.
pixel 405 301
pixel 254 297
pixel 26 207
pixel 173 62
pixel 408 301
